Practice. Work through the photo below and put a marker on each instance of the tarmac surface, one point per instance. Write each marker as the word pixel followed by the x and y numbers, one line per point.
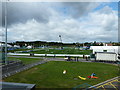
pixel 111 84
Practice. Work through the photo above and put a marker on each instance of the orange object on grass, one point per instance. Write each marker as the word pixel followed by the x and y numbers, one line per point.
pixel 92 77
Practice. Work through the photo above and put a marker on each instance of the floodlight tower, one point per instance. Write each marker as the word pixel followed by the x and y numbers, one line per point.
pixel 6 62
pixel 60 38
pixel 61 41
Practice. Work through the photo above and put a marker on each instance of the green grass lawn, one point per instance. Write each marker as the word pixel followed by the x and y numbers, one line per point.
pixel 55 51
pixel 50 75
pixel 25 60
pixel 62 51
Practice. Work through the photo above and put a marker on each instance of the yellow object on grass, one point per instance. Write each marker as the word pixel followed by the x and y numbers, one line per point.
pixel 82 78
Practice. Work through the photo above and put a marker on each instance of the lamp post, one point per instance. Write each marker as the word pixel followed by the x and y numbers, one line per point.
pixel 60 38
pixel 6 62
pixel 61 41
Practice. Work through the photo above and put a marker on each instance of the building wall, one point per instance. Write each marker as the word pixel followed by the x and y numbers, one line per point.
pixel 106 56
pixel 113 49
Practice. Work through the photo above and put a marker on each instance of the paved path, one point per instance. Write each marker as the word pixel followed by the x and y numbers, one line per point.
pixel 51 58
pixel 62 59
pixel 112 84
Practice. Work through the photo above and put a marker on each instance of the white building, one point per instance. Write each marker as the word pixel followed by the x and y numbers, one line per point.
pixel 16 46
pixel 3 45
pixel 29 47
pixel 106 56
pixel 113 49
pixel 106 53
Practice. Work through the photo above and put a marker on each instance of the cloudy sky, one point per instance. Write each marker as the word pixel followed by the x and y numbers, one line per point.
pixel 74 21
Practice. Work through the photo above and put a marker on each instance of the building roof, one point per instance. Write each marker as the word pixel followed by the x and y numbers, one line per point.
pixel 104 47
pixel 16 86
pixel 3 45
pixel 107 52
pixel 115 49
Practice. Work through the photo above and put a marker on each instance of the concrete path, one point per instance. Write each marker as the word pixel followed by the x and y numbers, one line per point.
pixel 112 84
pixel 51 58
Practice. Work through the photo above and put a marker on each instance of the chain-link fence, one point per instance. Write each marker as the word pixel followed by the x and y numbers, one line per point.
pixel 15 67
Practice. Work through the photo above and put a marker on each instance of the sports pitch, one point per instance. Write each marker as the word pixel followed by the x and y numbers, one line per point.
pixel 56 51
pixel 50 74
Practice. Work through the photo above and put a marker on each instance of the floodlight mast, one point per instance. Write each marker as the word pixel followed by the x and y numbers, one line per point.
pixel 6 62
pixel 60 38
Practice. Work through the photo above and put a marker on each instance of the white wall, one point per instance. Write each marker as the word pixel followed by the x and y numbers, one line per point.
pixel 106 56
pixel 114 49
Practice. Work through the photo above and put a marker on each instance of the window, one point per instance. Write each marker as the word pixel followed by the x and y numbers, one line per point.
pixel 104 50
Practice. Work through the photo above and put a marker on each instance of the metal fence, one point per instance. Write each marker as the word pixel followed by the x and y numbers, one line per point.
pixel 13 68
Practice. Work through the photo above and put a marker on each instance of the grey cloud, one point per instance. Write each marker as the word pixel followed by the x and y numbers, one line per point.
pixel 78 9
pixel 107 37
pixel 92 27
pixel 23 11
pixel 106 10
